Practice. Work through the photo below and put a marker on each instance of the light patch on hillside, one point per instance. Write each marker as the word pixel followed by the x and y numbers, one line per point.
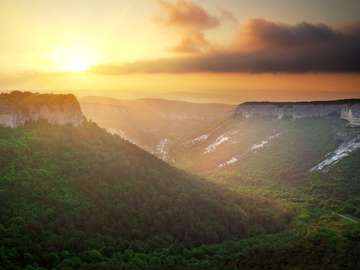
pixel 253 148
pixel 122 134
pixel 341 152
pixel 229 162
pixel 200 139
pixel 259 145
pixel 162 149
pixel 119 132
pixel 227 136
pixel 212 147
pixel 264 142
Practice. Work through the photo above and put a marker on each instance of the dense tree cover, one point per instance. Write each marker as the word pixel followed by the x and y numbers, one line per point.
pixel 339 188
pixel 326 228
pixel 80 198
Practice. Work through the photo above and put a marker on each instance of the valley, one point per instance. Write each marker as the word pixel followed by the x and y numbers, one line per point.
pixel 299 161
pixel 153 124
pixel 223 192
pixel 216 138
pixel 179 135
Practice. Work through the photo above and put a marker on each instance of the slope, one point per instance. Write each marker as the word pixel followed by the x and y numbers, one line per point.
pixel 72 195
pixel 265 150
pixel 153 124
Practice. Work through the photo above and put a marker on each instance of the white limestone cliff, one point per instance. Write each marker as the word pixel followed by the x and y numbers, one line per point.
pixel 348 110
pixel 18 108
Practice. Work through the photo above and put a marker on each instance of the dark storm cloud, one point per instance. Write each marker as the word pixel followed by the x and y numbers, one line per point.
pixel 263 46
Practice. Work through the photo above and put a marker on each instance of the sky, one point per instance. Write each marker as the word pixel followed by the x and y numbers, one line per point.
pixel 208 51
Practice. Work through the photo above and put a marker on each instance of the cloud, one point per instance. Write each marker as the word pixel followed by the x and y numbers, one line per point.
pixel 191 43
pixel 188 20
pixel 260 33
pixel 185 15
pixel 226 15
pixel 262 46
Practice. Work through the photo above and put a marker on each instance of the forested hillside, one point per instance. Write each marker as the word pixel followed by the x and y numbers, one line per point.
pixel 76 196
pixel 279 160
pixel 82 198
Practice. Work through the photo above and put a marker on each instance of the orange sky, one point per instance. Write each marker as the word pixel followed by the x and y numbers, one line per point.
pixel 196 50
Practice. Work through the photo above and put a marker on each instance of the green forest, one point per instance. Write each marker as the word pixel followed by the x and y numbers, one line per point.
pixel 81 198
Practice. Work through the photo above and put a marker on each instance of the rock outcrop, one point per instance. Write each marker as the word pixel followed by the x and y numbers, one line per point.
pixel 18 108
pixel 345 109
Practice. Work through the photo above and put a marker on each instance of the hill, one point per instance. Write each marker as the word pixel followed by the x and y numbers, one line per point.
pixel 262 147
pixel 310 165
pixel 79 195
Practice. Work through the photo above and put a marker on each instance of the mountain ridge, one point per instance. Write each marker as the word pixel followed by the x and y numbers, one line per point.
pixel 18 108
pixel 346 109
pixel 315 102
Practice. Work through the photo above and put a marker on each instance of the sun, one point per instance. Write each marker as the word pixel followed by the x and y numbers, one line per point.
pixel 71 59
pixel 76 64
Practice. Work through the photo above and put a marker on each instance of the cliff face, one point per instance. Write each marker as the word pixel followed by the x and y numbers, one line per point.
pixel 345 109
pixel 17 108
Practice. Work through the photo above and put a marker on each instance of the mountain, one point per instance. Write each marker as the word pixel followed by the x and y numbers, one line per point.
pixel 308 159
pixel 211 139
pixel 326 230
pixel 18 108
pixel 273 141
pixel 153 124
pixel 74 196
pixel 348 109
pixel 272 192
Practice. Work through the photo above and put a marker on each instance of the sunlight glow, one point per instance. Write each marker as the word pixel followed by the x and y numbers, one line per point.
pixel 71 59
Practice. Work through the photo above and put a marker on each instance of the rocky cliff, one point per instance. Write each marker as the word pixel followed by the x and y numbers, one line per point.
pixel 345 109
pixel 17 108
